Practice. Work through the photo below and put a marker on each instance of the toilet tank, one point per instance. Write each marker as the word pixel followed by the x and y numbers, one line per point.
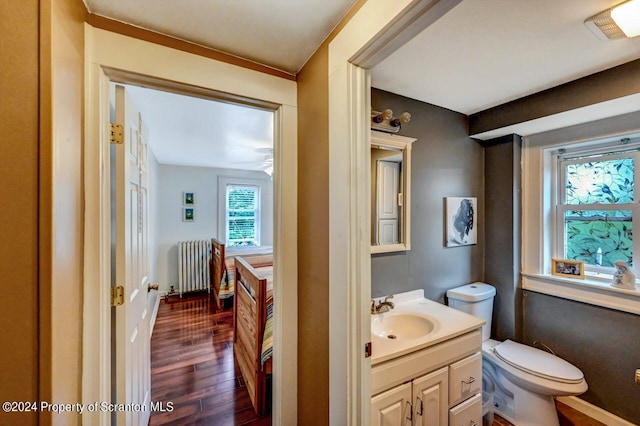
pixel 475 299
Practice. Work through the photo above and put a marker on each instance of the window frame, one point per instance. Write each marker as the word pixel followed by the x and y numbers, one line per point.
pixel 538 218
pixel 606 151
pixel 243 177
pixel 256 211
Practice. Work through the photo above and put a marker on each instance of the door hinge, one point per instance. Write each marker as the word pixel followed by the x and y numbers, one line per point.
pixel 117 133
pixel 367 349
pixel 117 295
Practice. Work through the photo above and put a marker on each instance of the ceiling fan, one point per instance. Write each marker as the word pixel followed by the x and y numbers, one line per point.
pixel 265 165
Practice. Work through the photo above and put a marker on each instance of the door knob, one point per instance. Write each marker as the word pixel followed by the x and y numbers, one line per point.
pixel 152 287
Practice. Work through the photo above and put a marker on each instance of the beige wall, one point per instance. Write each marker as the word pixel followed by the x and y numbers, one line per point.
pixel 313 241
pixel 42 65
pixel 19 201
pixel 313 233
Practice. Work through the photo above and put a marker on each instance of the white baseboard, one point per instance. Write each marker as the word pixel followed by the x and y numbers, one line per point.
pixel 594 412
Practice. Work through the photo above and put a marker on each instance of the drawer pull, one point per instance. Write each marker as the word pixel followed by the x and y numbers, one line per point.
pixel 471 380
pixel 418 406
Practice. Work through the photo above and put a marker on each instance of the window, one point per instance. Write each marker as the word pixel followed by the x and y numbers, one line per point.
pixel 578 196
pixel 242 216
pixel 597 207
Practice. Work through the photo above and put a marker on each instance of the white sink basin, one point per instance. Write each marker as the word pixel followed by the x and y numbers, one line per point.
pixel 401 325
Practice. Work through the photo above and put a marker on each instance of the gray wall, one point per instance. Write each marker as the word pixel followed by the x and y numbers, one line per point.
pixel 502 228
pixel 613 83
pixel 445 163
pixel 603 343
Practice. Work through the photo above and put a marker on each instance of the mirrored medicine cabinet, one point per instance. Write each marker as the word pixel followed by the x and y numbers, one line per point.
pixel 390 192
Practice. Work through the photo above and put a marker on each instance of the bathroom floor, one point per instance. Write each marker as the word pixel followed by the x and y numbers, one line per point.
pixel 567 416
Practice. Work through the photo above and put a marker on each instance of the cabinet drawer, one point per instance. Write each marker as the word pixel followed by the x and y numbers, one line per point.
pixel 465 378
pixel 469 413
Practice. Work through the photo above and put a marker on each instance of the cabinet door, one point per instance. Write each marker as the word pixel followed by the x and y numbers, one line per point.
pixel 430 399
pixel 393 407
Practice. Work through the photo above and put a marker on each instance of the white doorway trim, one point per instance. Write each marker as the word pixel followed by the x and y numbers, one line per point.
pixel 113 56
pixel 374 32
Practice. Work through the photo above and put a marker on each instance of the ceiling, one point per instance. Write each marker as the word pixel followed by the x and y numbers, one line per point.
pixel 484 53
pixel 279 33
pixel 480 54
pixel 191 131
pixel 282 34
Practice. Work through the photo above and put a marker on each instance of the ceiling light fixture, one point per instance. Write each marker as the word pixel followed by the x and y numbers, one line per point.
pixel 621 21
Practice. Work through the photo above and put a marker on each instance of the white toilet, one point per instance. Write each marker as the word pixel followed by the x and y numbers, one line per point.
pixel 522 379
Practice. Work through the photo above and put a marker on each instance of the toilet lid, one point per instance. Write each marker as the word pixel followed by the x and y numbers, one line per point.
pixel 537 362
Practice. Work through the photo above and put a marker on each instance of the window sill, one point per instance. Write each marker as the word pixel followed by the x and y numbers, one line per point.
pixel 588 290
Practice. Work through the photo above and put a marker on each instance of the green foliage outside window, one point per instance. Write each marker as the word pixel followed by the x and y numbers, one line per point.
pixel 241 215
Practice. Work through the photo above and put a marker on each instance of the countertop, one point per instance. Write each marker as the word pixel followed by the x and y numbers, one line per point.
pixel 448 323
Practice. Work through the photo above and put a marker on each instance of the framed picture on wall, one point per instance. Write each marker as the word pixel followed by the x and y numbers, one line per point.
pixel 188 198
pixel 461 220
pixel 188 214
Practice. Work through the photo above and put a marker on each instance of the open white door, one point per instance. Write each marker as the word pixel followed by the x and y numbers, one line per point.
pixel 132 352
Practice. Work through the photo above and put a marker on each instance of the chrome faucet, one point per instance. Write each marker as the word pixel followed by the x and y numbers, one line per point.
pixel 383 306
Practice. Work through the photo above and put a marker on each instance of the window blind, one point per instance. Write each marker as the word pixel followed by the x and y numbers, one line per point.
pixel 242 215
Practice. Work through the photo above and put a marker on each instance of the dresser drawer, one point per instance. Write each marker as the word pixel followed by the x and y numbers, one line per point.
pixel 465 378
pixel 469 413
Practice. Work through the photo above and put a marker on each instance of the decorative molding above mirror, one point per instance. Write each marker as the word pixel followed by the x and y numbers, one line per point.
pixel 390 192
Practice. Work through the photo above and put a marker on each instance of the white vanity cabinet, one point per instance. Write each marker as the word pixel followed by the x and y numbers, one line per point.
pixel 423 401
pixel 438 385
pixel 430 398
pixel 392 407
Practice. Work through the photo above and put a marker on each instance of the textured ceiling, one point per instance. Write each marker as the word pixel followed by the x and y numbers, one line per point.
pixel 481 54
pixel 280 33
pixel 484 53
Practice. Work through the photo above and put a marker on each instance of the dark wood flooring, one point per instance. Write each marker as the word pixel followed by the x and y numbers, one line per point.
pixel 566 415
pixel 192 366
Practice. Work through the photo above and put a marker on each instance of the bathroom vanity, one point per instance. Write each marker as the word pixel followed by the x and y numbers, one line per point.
pixel 426 366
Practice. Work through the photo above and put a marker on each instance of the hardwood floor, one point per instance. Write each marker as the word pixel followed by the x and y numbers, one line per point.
pixel 192 366
pixel 566 415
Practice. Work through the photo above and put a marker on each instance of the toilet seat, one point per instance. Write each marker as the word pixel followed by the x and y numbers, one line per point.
pixel 538 363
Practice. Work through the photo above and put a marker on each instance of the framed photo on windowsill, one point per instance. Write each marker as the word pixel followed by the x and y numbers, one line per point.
pixel 567 268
